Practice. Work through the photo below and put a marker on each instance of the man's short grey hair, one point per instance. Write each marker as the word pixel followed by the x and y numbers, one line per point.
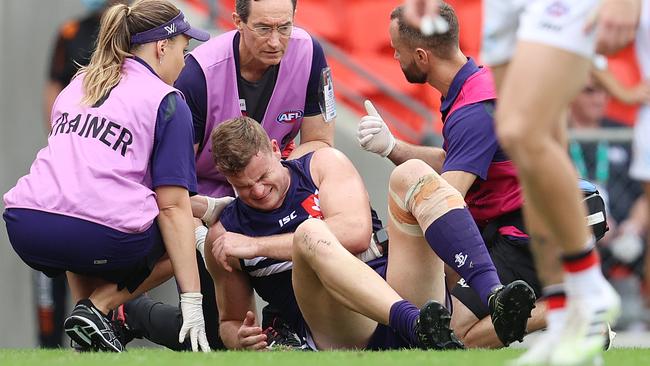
pixel 243 8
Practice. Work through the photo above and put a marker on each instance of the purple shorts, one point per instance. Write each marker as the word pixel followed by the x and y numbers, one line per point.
pixel 53 243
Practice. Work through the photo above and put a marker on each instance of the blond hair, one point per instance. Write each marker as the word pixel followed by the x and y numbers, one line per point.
pixel 235 142
pixel 117 25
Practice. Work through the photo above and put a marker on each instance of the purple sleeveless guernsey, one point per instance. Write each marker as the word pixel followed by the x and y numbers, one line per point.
pixel 500 193
pixel 283 115
pixel 96 164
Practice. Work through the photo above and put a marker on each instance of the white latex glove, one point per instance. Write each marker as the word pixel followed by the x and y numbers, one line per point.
pixel 192 312
pixel 215 206
pixel 373 134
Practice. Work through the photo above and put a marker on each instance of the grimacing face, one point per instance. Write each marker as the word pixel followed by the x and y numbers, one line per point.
pixel 263 184
pixel 405 56
pixel 269 49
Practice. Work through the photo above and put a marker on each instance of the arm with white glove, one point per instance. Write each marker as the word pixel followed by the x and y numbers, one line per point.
pixel 208 209
pixel 177 228
pixel 374 136
pixel 193 323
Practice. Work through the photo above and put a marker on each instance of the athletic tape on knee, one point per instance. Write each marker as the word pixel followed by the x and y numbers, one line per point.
pixel 200 234
pixel 401 217
pixel 430 198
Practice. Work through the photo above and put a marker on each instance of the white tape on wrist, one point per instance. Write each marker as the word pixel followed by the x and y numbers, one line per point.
pixel 199 240
pixel 371 253
pixel 209 216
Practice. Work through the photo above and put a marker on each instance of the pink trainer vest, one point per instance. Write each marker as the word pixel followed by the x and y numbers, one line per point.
pixel 501 192
pixel 96 164
pixel 283 115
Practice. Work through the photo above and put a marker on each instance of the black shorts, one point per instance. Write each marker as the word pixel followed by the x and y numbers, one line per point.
pixel 513 260
pixel 54 243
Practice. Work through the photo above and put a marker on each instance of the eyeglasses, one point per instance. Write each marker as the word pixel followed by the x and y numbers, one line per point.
pixel 265 31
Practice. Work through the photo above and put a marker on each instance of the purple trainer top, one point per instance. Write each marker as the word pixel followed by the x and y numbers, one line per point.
pixel 471 145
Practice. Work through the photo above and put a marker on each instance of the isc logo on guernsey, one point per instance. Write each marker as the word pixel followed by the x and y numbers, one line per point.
pixel 289 117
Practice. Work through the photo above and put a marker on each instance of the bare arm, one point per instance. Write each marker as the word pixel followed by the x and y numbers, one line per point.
pixel 177 229
pixel 344 201
pixel 234 295
pixel 403 151
pixel 637 94
pixel 315 133
pixel 460 180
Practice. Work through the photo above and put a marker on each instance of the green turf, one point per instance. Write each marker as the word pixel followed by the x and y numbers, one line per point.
pixel 156 357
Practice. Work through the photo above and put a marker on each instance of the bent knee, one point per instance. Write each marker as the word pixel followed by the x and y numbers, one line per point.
pixel 308 232
pixel 407 173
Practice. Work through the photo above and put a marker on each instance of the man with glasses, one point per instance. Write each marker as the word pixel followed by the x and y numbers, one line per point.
pixel 266 69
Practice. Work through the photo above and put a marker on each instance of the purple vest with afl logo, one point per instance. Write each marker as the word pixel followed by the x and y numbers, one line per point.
pixel 283 115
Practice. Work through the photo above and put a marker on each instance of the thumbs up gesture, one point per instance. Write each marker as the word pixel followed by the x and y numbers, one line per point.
pixel 373 134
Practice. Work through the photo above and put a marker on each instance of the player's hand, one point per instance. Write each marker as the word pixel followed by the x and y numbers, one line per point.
pixel 233 245
pixel 249 335
pixel 373 134
pixel 215 207
pixel 193 324
pixel 616 23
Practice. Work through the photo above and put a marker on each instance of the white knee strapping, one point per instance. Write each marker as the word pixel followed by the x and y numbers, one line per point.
pixel 426 200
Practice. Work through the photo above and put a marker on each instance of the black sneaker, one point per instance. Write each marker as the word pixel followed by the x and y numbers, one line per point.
pixel 280 337
pixel 90 329
pixel 432 328
pixel 510 308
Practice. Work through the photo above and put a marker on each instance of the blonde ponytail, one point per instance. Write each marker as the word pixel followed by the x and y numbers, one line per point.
pixel 103 72
pixel 118 24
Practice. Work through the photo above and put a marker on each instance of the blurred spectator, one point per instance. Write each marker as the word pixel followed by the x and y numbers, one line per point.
pixel 606 164
pixel 73 46
pixel 602 162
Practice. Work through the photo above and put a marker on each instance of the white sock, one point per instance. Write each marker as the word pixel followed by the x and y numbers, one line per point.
pixel 199 235
pixel 585 282
pixel 555 319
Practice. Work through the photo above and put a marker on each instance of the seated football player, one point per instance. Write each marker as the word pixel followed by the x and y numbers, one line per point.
pixel 292 235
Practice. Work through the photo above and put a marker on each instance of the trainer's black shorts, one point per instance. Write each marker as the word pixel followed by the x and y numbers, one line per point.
pixel 513 260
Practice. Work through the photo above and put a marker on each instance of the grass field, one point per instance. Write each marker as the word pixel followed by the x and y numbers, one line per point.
pixel 157 357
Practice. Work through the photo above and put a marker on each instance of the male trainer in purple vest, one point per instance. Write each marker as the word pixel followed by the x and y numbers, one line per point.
pixel 471 161
pixel 266 69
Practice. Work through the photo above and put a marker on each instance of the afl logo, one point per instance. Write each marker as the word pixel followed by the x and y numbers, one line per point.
pixel 289 117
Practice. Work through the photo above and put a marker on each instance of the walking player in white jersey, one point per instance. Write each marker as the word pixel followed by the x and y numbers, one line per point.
pixel 555 42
